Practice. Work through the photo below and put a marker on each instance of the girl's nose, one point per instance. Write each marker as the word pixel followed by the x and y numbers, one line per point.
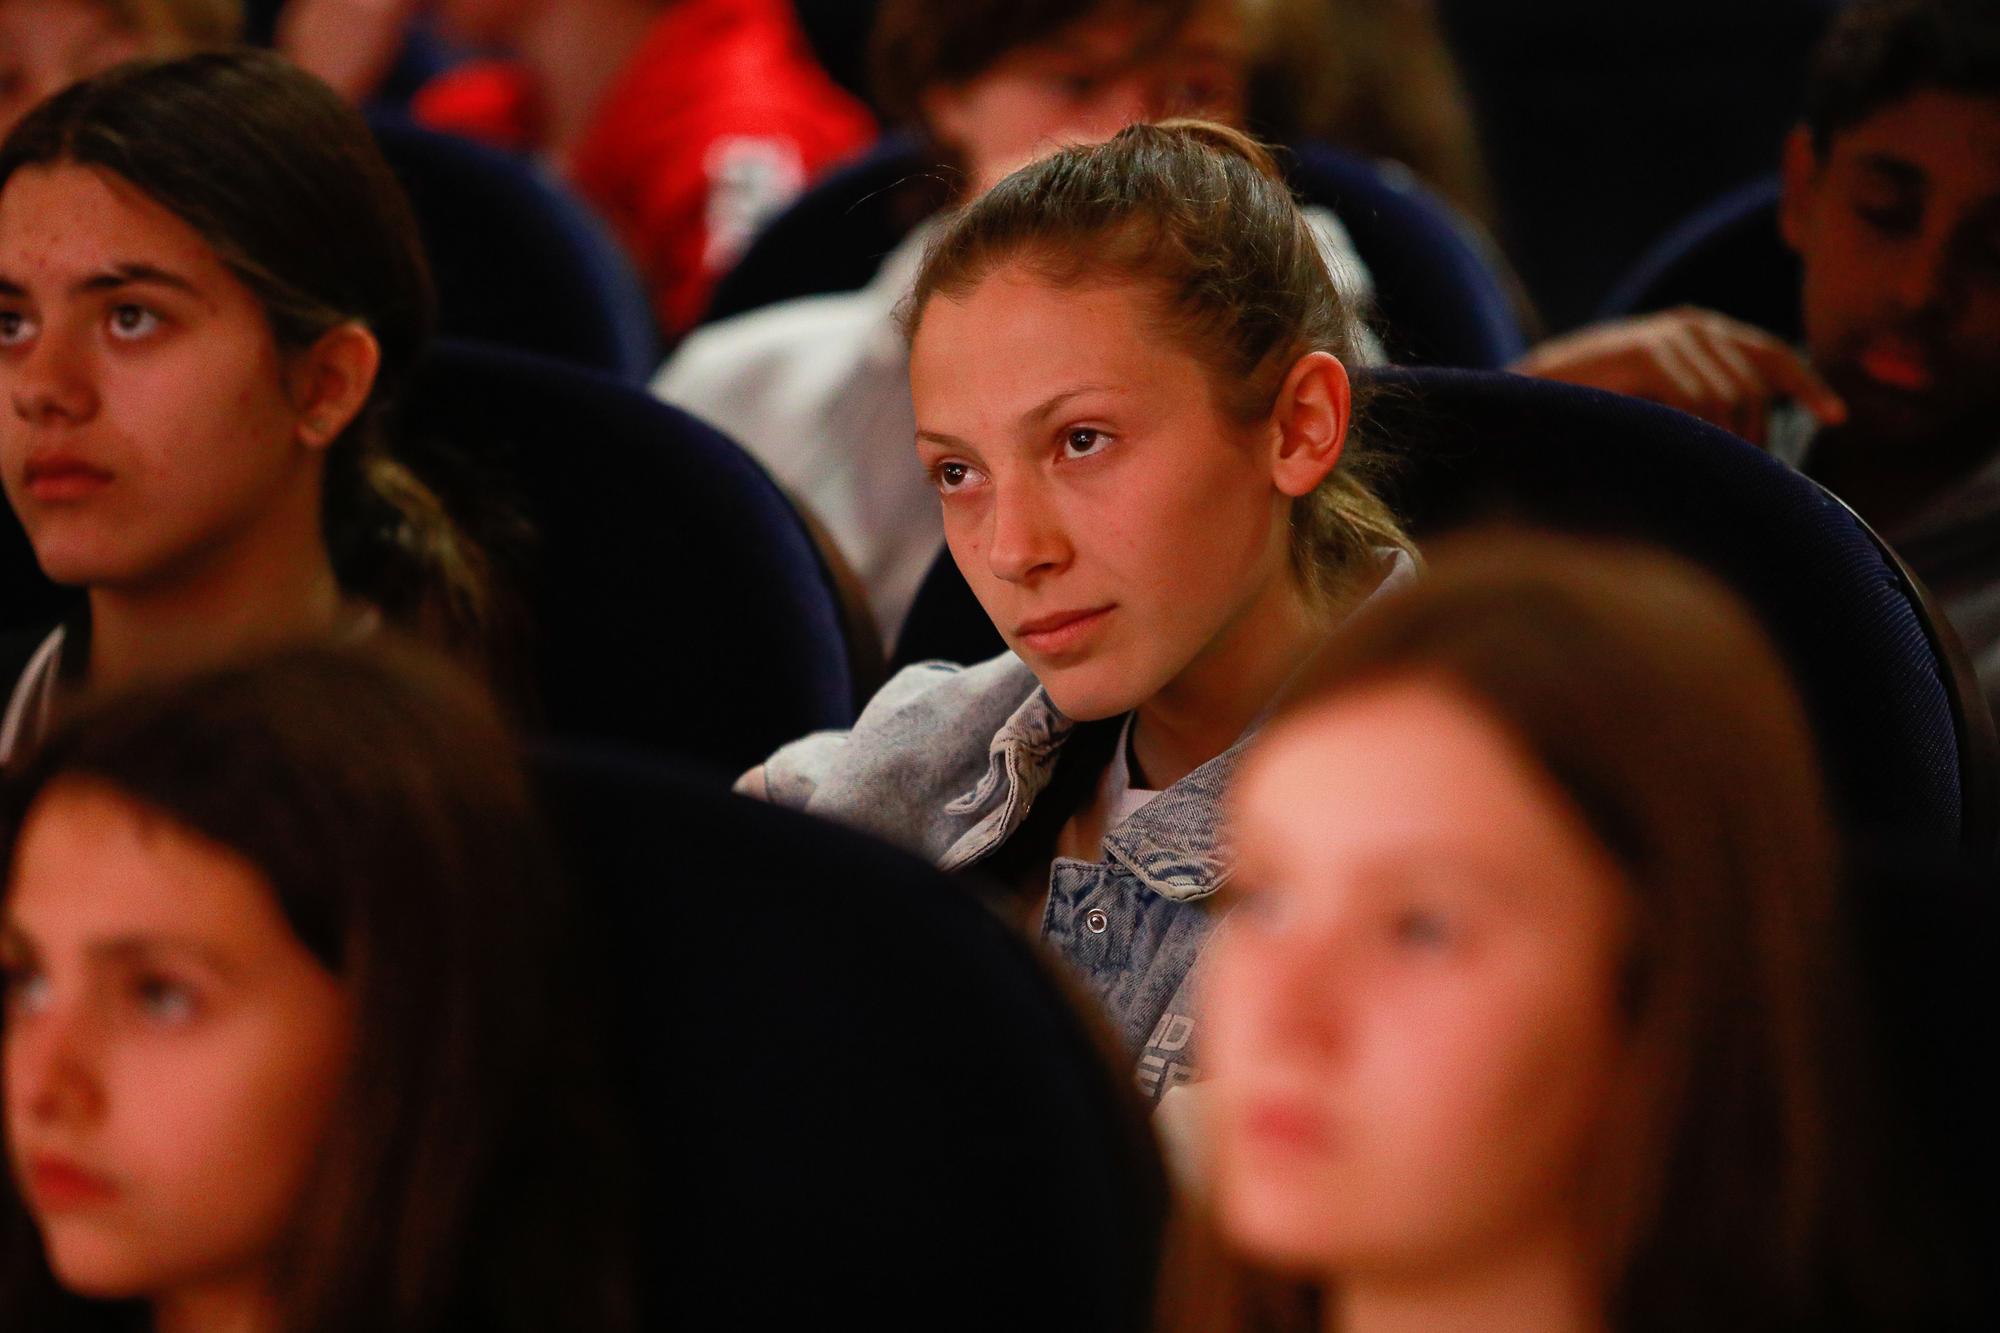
pixel 50 382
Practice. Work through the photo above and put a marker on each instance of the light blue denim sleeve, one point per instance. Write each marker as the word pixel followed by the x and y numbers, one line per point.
pixel 793 775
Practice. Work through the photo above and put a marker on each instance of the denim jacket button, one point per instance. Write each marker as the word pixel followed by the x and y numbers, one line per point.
pixel 1096 920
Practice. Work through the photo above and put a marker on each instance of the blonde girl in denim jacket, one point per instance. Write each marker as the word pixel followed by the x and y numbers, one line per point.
pixel 1129 369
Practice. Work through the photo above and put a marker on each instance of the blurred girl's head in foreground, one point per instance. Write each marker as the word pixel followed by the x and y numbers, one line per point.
pixel 1525 980
pixel 283 1036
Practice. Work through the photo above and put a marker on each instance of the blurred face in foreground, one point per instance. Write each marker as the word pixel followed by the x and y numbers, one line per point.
pixel 171 1051
pixel 1412 1006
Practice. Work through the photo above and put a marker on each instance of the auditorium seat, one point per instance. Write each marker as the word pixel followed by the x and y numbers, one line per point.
pixel 1903 726
pixel 1439 295
pixel 1441 298
pixel 672 596
pixel 1727 256
pixel 833 237
pixel 858 1097
pixel 519 261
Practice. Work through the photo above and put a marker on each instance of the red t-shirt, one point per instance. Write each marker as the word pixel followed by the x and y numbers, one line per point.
pixel 720 118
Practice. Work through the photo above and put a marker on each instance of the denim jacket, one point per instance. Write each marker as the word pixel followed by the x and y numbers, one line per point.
pixel 946 761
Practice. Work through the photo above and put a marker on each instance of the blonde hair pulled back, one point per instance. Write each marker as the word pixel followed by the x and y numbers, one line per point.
pixel 1200 213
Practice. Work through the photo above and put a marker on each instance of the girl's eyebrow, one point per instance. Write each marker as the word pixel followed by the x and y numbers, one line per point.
pixel 1038 413
pixel 1048 406
pixel 139 947
pixel 133 274
pixel 113 278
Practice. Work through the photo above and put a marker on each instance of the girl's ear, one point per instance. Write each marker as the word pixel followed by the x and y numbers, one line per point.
pixel 1310 420
pixel 331 381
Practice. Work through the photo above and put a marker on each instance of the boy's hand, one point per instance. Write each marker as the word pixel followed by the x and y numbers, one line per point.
pixel 1709 365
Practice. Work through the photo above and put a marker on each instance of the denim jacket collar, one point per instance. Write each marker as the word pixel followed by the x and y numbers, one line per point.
pixel 1172 843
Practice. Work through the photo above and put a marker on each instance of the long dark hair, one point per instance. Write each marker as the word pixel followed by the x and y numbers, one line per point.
pixel 1646 691
pixel 285 183
pixel 467 1179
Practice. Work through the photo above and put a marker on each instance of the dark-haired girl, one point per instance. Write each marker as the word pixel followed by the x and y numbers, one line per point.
pixel 1131 397
pixel 285 1045
pixel 211 292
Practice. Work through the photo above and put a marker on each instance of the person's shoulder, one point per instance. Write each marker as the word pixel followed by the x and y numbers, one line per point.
pixel 927 723
pixel 786 338
pixel 775 378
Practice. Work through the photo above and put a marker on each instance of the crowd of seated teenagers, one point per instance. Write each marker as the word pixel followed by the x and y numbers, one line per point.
pixel 1529 1009
pixel 195 437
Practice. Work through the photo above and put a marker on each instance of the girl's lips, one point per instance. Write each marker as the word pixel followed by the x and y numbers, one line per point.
pixel 1054 635
pixel 57 479
pixel 56 1184
pixel 1898 365
pixel 1286 1126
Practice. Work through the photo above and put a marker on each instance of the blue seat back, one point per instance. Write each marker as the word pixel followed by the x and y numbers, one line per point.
pixel 835 236
pixel 1727 256
pixel 519 261
pixel 1439 295
pixel 858 1095
pixel 1441 299
pixel 673 599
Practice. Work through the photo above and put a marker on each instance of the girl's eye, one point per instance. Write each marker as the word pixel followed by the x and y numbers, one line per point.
pixel 23 991
pixel 1082 441
pixel 1419 928
pixel 132 321
pixel 1892 220
pixel 1263 910
pixel 164 1001
pixel 1076 87
pixel 952 476
pixel 15 328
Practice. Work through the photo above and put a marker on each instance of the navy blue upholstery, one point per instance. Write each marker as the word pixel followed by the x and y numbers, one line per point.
pixel 860 1098
pixel 1440 299
pixel 1727 256
pixel 673 598
pixel 1899 733
pixel 519 261
pixel 833 237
